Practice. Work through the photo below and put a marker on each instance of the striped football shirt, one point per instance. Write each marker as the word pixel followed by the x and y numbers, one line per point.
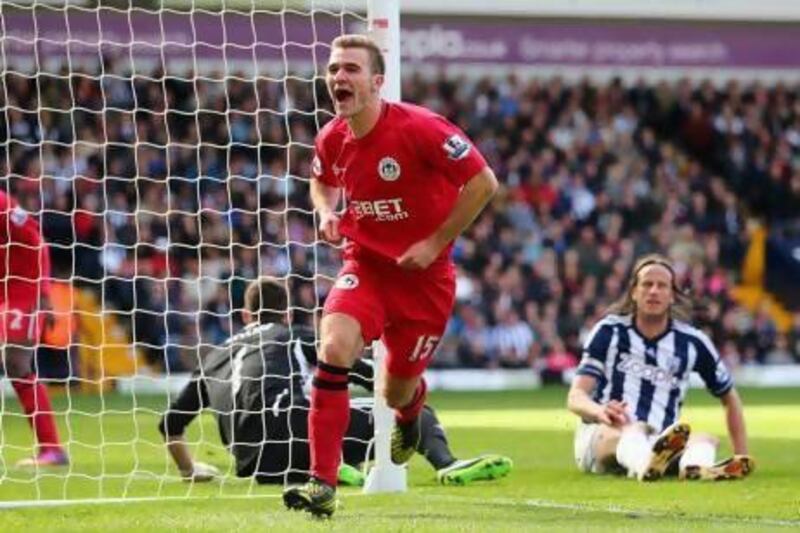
pixel 650 375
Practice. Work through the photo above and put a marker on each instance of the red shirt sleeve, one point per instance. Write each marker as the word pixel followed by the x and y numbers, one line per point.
pixel 321 168
pixel 448 149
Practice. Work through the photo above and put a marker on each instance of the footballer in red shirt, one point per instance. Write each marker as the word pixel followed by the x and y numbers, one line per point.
pixel 411 182
pixel 24 273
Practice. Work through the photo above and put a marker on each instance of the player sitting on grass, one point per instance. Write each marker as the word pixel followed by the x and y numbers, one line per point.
pixel 254 385
pixel 633 378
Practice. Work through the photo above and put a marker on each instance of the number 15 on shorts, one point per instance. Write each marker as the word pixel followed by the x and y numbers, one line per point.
pixel 426 345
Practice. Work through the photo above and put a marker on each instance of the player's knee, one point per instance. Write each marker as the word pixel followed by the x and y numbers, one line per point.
pixel 397 398
pixel 18 363
pixel 705 437
pixel 169 428
pixel 338 350
pixel 17 371
pixel 604 445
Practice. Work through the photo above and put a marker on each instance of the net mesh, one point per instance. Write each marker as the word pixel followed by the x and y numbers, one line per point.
pixel 165 152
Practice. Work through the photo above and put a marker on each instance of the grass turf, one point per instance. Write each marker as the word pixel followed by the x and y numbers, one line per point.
pixel 117 453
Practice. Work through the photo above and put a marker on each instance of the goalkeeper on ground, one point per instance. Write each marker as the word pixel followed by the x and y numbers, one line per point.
pixel 254 385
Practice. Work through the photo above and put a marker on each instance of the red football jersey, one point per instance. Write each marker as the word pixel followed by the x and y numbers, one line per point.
pixel 24 259
pixel 401 180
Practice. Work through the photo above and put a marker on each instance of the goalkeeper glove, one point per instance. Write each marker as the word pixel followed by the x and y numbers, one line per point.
pixel 201 473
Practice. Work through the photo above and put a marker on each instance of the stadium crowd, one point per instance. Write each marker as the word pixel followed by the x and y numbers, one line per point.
pixel 166 195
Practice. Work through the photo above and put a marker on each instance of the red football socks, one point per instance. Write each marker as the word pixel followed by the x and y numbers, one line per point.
pixel 328 420
pixel 410 412
pixel 36 404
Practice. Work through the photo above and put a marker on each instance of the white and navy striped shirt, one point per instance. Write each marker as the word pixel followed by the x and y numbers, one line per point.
pixel 651 375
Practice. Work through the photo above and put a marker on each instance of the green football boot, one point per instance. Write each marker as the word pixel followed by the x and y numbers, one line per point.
pixel 466 471
pixel 350 476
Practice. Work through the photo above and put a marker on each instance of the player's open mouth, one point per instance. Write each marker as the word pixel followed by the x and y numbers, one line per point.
pixel 341 95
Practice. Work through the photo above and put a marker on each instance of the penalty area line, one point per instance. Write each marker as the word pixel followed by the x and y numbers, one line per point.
pixel 614 509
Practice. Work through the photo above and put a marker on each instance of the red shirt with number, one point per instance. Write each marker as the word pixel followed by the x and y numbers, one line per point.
pixel 400 181
pixel 24 271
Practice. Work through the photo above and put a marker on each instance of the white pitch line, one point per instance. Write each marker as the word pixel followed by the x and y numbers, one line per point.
pixel 23 504
pixel 613 509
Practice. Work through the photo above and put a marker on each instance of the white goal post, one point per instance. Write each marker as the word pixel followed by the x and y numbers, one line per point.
pixel 146 140
pixel 384 28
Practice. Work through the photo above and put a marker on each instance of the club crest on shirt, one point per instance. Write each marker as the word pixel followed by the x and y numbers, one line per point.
pixel 18 216
pixel 389 169
pixel 348 281
pixel 456 147
pixel 316 166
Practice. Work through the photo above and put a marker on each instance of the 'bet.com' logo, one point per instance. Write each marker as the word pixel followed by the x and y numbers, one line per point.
pixel 388 210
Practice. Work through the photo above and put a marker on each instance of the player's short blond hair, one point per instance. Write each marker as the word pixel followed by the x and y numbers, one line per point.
pixel 377 64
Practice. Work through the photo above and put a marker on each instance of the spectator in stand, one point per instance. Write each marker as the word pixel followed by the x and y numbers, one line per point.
pixel 512 340
pixel 557 362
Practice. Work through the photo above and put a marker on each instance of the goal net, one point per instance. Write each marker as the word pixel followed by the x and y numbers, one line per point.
pixel 165 151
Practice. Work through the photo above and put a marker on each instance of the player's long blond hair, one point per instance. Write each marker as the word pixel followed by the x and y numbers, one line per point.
pixel 680 309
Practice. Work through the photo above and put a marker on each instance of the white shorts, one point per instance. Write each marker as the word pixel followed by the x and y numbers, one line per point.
pixel 585 437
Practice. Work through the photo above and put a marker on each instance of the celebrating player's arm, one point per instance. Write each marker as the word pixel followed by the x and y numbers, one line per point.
pixel 473 197
pixel 325 199
pixel 632 380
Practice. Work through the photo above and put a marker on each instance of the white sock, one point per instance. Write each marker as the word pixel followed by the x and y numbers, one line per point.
pixel 699 453
pixel 633 449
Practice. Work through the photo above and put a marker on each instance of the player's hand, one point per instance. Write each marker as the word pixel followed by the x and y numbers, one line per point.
pixel 329 227
pixel 420 255
pixel 614 414
pixel 748 463
pixel 201 473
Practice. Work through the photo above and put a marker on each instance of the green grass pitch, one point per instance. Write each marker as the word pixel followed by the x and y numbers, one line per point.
pixel 118 455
